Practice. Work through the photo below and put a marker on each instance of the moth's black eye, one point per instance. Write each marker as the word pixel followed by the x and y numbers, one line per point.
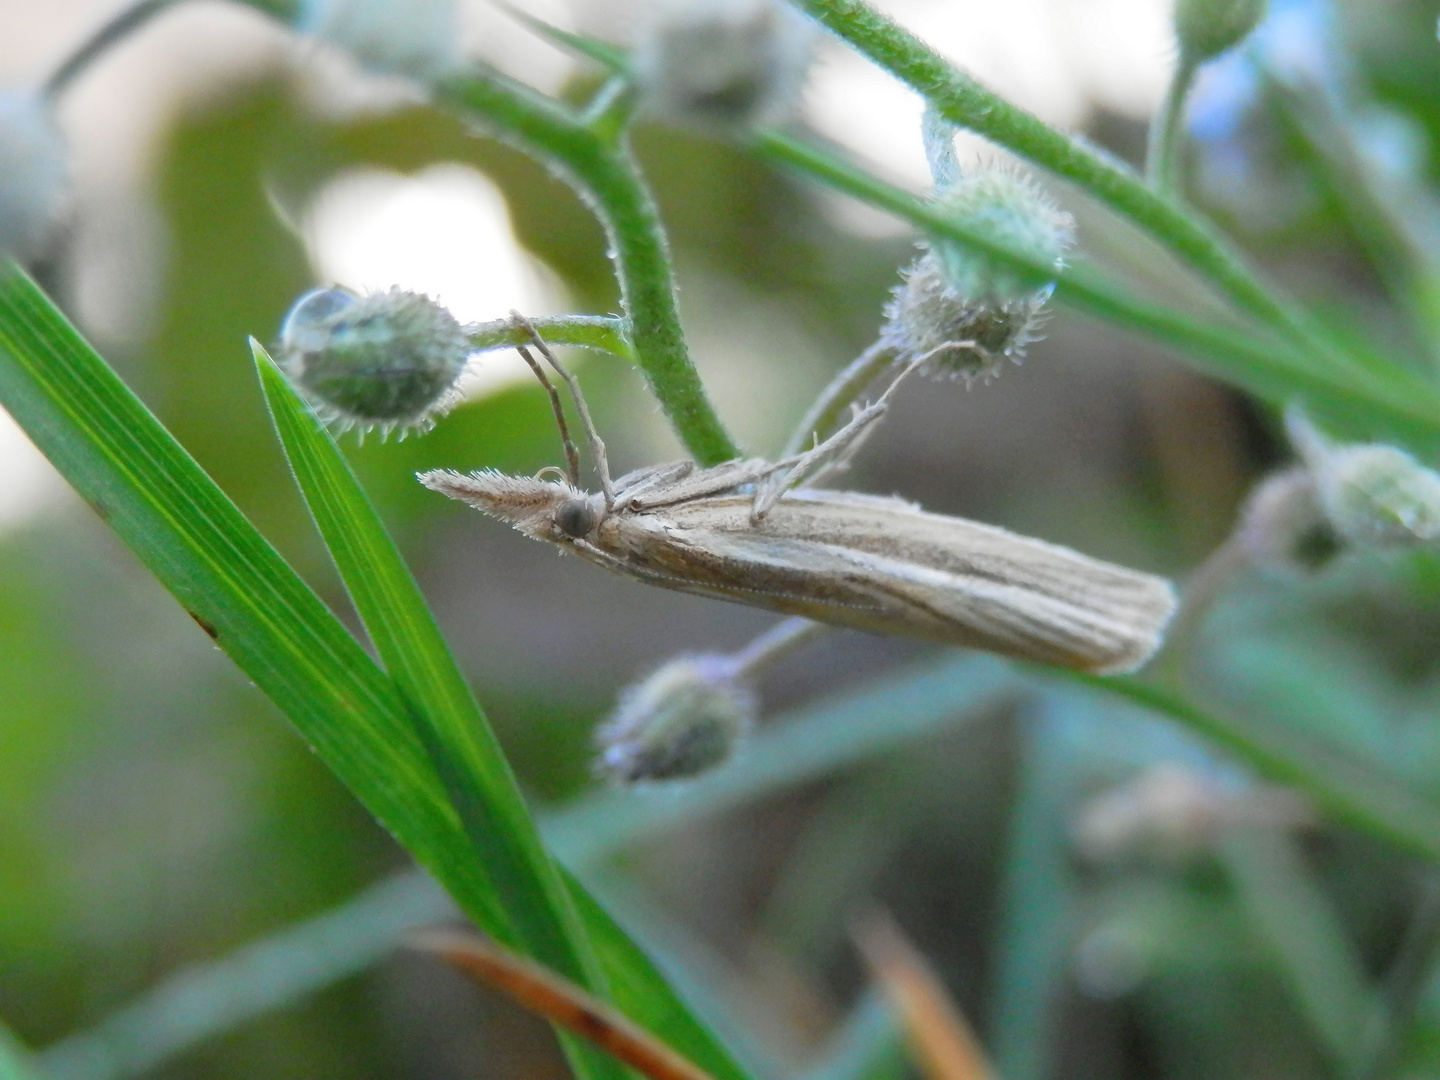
pixel 575 517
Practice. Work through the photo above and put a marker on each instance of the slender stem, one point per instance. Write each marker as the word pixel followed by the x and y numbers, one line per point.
pixel 1167 132
pixel 1266 367
pixel 608 179
pixel 603 332
pixel 843 389
pixel 780 640
pixel 965 102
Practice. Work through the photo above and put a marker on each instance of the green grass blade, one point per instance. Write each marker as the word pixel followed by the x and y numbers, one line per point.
pixel 534 909
pixel 528 905
pixel 171 514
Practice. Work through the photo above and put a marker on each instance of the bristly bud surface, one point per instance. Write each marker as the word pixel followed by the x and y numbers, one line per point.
pixel 32 173
pixel 961 312
pixel 1207 28
pixel 388 361
pixel 1373 495
pixel 722 65
pixel 684 720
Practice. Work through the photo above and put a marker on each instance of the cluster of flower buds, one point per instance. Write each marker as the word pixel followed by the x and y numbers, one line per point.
pixel 1363 496
pixel 961 312
pixel 32 174
pixel 722 65
pixel 685 719
pixel 389 361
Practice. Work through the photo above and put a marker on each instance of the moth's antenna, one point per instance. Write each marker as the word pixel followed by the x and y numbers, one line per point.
pixel 572 455
pixel 592 437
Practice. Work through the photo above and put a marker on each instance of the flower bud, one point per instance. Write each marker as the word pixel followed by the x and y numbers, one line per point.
pixel 1207 28
pixel 684 720
pixel 1373 495
pixel 1283 526
pixel 396 37
pixel 1011 209
pixel 722 64
pixel 32 173
pixel 389 360
pixel 957 336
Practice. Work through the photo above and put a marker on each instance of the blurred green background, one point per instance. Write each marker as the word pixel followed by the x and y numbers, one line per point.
pixel 155 811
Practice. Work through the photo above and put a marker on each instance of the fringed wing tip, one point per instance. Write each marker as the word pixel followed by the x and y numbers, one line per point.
pixel 1151 619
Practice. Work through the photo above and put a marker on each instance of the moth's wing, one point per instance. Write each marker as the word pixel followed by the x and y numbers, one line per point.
pixel 881 565
pixel 700 484
pixel 642 479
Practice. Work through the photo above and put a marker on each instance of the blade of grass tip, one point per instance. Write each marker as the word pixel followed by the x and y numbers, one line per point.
pixel 1295 918
pixel 1352 791
pixel 560 1001
pixel 224 573
pixel 532 908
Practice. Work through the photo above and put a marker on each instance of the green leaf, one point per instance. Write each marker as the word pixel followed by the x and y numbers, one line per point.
pixel 526 903
pixel 232 582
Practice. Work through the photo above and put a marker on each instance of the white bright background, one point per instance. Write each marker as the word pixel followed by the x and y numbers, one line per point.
pixel 445 230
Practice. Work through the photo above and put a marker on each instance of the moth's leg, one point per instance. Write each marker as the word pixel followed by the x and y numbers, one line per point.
pixel 592 437
pixel 834 453
pixel 572 455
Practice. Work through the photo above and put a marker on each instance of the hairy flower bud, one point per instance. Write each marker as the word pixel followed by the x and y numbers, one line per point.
pixel 684 720
pixel 32 173
pixel 1373 495
pixel 1207 28
pixel 957 336
pixel 722 64
pixel 390 360
pixel 961 311
pixel 1283 526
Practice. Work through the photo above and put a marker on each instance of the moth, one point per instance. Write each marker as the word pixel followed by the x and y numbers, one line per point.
pixel 752 532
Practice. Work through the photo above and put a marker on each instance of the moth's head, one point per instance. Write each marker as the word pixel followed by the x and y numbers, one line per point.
pixel 542 509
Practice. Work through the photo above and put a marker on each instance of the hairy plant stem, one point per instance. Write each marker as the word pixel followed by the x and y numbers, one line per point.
pixel 848 385
pixel 603 332
pixel 962 101
pixel 1271 368
pixel 1167 132
pixel 606 176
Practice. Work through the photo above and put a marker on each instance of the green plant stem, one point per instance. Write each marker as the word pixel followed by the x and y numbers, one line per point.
pixel 1270 369
pixel 1167 132
pixel 606 176
pixel 602 332
pixel 964 102
pixel 843 389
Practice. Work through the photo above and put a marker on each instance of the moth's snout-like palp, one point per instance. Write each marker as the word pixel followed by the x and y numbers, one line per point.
pixel 538 508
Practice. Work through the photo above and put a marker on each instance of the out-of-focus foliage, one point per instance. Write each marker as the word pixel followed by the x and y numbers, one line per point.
pixel 154 812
